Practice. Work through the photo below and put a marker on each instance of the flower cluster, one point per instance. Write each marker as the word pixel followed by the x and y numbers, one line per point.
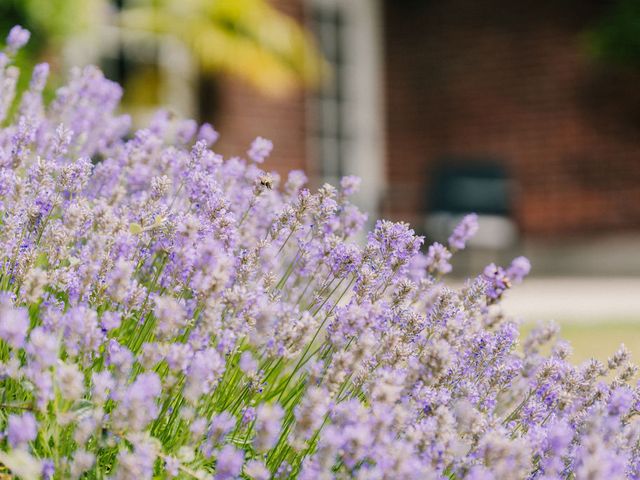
pixel 166 312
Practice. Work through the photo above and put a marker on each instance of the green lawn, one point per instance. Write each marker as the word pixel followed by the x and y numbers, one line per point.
pixel 598 340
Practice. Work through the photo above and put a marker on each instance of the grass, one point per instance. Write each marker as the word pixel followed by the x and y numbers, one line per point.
pixel 598 340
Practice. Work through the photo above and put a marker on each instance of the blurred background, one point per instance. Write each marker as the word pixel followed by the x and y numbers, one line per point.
pixel 527 113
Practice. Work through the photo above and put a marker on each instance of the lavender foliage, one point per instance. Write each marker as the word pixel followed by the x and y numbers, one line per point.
pixel 168 313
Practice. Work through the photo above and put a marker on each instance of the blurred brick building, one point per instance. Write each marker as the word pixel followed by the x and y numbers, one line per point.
pixel 459 80
pixel 422 86
pixel 513 81
pixel 335 131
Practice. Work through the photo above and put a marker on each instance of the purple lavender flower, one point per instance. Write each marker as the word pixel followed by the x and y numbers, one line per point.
pixel 208 134
pixel 620 401
pixel 229 462
pixel 39 77
pixel 136 464
pixel 248 364
pixel 43 347
pixel 110 320
pixel 183 311
pixel 350 184
pixel 187 129
pixel 17 38
pixel 260 149
pixel 48 469
pixel 14 324
pixel 102 382
pixel 203 371
pixel 256 470
pixel 268 423
pixel 70 381
pixel 137 405
pixel 519 268
pixel 172 466
pixel 221 425
pixel 248 415
pixel 497 281
pixel 466 229
pixel 438 259
pixel 21 429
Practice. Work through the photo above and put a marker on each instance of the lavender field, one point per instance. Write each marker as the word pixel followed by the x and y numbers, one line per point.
pixel 166 312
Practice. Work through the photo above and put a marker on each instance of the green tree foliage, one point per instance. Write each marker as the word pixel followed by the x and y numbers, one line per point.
pixel 247 38
pixel 616 37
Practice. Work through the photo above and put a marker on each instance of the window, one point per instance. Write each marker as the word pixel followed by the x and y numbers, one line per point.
pixel 328 132
pixel 154 69
pixel 346 132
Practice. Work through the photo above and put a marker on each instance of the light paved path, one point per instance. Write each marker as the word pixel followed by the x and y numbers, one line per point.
pixel 580 299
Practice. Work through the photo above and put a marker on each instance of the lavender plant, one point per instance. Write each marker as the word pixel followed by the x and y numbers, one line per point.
pixel 167 313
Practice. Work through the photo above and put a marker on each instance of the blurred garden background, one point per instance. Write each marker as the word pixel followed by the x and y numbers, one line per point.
pixel 527 113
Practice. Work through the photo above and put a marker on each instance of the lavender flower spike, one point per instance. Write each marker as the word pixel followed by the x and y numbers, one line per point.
pixel 519 268
pixel 438 259
pixel 466 229
pixel 260 149
pixel 17 38
pixel 21 429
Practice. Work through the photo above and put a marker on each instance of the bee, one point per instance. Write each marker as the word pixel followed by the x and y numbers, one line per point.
pixel 266 181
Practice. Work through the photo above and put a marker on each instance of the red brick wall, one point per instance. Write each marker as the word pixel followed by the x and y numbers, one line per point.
pixel 512 80
pixel 240 113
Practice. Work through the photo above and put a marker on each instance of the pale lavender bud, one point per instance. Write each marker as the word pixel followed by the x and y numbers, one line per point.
pixel 17 38
pixel 14 323
pixel 256 470
pixel 519 268
pixel 21 429
pixel 248 364
pixel 43 346
pixel 48 469
pixel 82 462
pixel 39 77
pixel 260 149
pixel 620 401
pixel 103 382
pixel 198 427
pixel 110 320
pixel 438 259
pixel 228 463
pixel 186 131
pixel 268 422
pixel 221 425
pixel 70 381
pixel 466 229
pixel 497 281
pixel 248 415
pixel 350 184
pixel 208 134
pixel 295 181
pixel 172 466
